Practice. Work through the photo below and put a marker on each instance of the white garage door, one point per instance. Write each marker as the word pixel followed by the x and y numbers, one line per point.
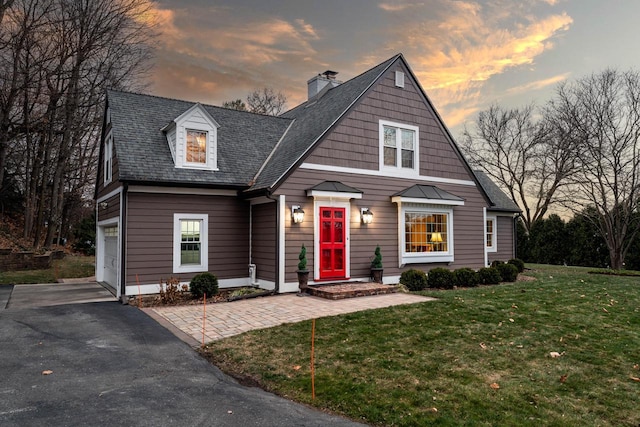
pixel 111 255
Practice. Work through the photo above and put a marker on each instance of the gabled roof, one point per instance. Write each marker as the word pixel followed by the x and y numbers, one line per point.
pixel 500 201
pixel 244 141
pixel 313 119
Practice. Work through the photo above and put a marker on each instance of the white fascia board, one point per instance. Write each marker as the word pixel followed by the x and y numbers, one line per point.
pixel 400 199
pixel 386 174
pixel 182 190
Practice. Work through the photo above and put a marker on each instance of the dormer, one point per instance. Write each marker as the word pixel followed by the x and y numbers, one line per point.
pixel 193 139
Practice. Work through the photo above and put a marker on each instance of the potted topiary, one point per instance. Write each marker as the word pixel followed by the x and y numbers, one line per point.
pixel 303 273
pixel 376 266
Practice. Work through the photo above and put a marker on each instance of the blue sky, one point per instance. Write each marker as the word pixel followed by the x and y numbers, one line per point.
pixel 466 54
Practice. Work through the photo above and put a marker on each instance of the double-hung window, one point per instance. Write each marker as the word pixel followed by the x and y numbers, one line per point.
pixel 190 243
pixel 399 148
pixel 490 234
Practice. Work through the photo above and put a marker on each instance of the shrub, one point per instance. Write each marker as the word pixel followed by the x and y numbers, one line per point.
pixel 489 276
pixel 377 258
pixel 171 292
pixel 518 263
pixel 508 272
pixel 440 278
pixel 302 265
pixel 465 277
pixel 203 283
pixel 414 280
pixel 496 263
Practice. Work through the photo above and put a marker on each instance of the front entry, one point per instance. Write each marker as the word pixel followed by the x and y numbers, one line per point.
pixel 332 243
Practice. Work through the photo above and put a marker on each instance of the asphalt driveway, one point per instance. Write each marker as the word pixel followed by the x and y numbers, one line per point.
pixel 111 364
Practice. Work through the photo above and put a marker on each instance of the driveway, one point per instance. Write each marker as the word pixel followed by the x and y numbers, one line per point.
pixel 111 364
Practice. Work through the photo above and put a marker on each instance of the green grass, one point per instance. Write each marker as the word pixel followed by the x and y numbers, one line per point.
pixel 71 266
pixel 393 366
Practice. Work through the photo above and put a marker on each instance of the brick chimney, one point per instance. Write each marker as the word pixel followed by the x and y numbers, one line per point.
pixel 319 82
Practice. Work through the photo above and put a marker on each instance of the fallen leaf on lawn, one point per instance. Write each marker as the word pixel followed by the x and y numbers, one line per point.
pixel 483 346
pixel 47 372
pixel 605 310
pixel 500 324
pixel 635 379
pixel 636 366
pixel 494 386
pixel 582 296
pixel 434 410
pixel 511 320
pixel 561 338
pixel 554 354
pixel 563 378
pixel 296 368
pixel 520 346
pixel 514 306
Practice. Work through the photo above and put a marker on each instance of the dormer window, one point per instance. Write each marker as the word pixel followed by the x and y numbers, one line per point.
pixel 196 147
pixel 193 139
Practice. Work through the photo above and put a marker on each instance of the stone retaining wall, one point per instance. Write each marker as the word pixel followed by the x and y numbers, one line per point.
pixel 27 260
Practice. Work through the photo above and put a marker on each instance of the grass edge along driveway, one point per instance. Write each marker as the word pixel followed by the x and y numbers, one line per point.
pixel 479 356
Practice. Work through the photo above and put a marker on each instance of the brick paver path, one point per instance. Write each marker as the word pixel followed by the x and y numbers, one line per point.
pixel 233 318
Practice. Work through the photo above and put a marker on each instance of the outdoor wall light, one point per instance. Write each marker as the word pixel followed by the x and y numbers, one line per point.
pixel 297 214
pixel 366 215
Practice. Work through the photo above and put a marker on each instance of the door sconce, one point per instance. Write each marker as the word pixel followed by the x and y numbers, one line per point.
pixel 366 215
pixel 297 214
pixel 103 205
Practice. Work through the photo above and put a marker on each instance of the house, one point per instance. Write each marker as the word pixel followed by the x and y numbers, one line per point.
pixel 185 188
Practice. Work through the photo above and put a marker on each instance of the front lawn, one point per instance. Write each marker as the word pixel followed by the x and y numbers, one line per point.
pixel 480 356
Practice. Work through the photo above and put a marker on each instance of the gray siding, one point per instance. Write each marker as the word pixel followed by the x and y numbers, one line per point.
pixel 264 239
pixel 354 142
pixel 112 210
pixel 150 235
pixel 468 223
pixel 505 240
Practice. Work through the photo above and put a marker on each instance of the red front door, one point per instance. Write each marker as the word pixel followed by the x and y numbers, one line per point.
pixel 332 243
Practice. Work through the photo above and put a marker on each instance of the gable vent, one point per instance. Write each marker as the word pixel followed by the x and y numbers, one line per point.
pixel 399 79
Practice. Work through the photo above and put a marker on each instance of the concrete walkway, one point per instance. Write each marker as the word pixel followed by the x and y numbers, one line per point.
pixel 232 318
pixel 49 294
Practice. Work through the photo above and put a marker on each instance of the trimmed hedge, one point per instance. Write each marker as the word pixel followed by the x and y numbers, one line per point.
pixel 465 277
pixel 518 263
pixel 414 280
pixel 508 272
pixel 203 283
pixel 489 276
pixel 440 278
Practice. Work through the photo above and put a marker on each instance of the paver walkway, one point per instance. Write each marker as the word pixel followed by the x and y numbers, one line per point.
pixel 232 318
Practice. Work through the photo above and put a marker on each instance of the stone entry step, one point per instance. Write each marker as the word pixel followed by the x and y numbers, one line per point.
pixel 335 291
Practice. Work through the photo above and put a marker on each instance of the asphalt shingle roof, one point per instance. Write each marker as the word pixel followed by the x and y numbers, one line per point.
pixel 311 120
pixel 244 141
pixel 501 202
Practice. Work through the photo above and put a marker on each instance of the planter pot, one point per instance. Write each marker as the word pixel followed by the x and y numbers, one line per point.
pixel 376 275
pixel 303 279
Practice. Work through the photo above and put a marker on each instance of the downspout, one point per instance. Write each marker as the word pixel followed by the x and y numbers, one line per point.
pixel 123 245
pixel 277 231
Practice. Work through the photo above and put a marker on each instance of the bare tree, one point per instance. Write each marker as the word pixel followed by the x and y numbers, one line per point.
pixel 527 157
pixel 603 111
pixel 57 57
pixel 266 101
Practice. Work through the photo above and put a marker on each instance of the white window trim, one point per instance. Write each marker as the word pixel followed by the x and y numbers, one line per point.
pixel 426 257
pixel 494 239
pixel 398 170
pixel 204 243
pixel 107 165
pixel 399 79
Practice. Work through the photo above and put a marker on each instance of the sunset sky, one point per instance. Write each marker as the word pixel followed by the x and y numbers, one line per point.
pixel 466 54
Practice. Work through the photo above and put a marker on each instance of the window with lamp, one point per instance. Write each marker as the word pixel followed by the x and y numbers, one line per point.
pixel 428 235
